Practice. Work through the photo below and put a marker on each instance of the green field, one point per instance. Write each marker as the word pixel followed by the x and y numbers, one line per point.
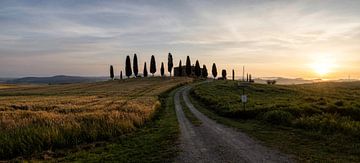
pixel 312 121
pixel 34 119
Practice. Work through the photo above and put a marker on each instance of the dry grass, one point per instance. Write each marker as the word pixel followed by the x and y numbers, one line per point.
pixel 41 118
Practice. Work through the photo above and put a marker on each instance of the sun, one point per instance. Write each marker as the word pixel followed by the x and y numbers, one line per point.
pixel 323 65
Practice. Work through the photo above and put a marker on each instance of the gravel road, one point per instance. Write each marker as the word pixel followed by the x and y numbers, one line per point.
pixel 213 142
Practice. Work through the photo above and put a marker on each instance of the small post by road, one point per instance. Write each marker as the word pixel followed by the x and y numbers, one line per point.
pixel 244 97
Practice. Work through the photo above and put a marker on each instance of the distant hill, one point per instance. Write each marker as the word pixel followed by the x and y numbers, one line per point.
pixel 287 81
pixel 60 79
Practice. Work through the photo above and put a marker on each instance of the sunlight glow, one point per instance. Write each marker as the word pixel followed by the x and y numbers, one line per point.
pixel 323 64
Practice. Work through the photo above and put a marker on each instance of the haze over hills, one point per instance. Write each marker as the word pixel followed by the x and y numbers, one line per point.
pixel 59 79
pixel 65 79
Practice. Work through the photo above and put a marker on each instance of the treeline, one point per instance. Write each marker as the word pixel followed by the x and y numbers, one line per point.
pixel 190 70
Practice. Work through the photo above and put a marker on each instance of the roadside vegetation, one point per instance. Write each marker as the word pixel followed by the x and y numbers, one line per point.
pixel 312 121
pixel 35 119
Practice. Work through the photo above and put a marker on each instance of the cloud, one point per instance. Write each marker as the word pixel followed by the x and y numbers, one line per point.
pixel 223 31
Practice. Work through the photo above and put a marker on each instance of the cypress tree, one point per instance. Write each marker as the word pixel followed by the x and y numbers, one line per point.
pixel 128 67
pixel 188 66
pixel 197 69
pixel 180 68
pixel 233 74
pixel 204 72
pixel 121 75
pixel 250 78
pixel 223 74
pixel 145 73
pixel 162 70
pixel 135 66
pixel 111 72
pixel 170 63
pixel 214 70
pixel 247 77
pixel 152 65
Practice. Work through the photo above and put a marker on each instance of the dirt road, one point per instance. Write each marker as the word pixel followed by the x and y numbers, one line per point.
pixel 213 142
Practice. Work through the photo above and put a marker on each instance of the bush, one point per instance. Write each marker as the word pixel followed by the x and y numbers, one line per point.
pixel 278 117
pixel 329 123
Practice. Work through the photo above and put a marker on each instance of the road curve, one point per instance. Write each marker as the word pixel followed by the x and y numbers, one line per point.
pixel 213 142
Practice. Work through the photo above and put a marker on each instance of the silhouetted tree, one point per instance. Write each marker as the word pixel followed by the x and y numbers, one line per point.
pixel 247 77
pixel 233 74
pixel 197 69
pixel 214 70
pixel 121 75
pixel 111 72
pixel 135 66
pixel 152 65
pixel 250 80
pixel 170 63
pixel 162 70
pixel 223 74
pixel 180 68
pixel 204 73
pixel 145 73
pixel 128 67
pixel 188 66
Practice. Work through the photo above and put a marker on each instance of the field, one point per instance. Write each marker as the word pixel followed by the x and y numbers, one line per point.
pixel 38 118
pixel 313 121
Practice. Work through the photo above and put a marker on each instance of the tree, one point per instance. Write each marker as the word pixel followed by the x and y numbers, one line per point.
pixel 135 66
pixel 162 70
pixel 145 73
pixel 121 75
pixel 214 70
pixel 233 74
pixel 223 74
pixel 128 67
pixel 188 66
pixel 152 65
pixel 180 68
pixel 250 80
pixel 197 69
pixel 111 72
pixel 170 63
pixel 204 72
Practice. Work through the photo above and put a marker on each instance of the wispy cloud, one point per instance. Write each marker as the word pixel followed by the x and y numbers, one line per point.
pixel 80 34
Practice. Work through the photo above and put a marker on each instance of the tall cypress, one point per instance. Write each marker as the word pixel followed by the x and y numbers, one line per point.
pixel 128 67
pixel 180 68
pixel 145 73
pixel 204 72
pixel 162 70
pixel 111 72
pixel 214 70
pixel 121 75
pixel 188 66
pixel 170 63
pixel 197 69
pixel 152 65
pixel 233 74
pixel 135 66
pixel 223 74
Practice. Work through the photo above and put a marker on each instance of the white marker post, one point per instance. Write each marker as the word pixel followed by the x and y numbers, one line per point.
pixel 244 97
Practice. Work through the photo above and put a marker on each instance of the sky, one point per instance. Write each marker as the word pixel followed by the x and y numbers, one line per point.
pixel 297 38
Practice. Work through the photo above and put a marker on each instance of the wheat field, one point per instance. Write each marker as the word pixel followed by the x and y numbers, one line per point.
pixel 38 118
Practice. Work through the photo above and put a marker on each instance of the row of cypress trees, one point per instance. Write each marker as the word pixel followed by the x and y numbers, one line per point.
pixel 129 70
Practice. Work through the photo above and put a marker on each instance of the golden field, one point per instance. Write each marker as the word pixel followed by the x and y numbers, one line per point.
pixel 38 118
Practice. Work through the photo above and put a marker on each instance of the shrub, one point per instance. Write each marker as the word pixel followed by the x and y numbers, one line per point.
pixel 329 123
pixel 339 103
pixel 278 117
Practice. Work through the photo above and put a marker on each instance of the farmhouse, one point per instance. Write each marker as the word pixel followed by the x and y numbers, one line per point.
pixel 183 69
